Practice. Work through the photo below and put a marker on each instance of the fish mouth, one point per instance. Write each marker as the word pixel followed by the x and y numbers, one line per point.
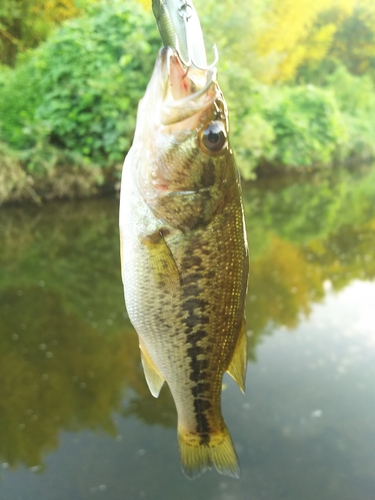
pixel 183 93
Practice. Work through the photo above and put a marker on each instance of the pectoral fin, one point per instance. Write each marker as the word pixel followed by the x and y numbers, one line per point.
pixel 154 379
pixel 237 366
pixel 161 261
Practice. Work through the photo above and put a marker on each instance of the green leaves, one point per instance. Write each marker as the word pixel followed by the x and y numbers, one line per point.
pixel 92 94
pixel 307 127
pixel 86 82
pixel 75 97
pixel 298 127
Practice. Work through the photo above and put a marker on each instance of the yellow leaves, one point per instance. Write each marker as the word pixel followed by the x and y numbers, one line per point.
pixel 315 48
pixel 288 22
pixel 145 3
pixel 281 285
pixel 297 33
pixel 55 11
pixel 28 22
pixel 320 41
pixel 286 68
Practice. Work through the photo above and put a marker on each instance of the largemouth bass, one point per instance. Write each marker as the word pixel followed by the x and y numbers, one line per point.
pixel 184 255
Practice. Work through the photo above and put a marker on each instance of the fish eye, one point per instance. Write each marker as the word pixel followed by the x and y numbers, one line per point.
pixel 214 137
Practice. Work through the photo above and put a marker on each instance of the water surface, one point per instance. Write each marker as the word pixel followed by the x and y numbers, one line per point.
pixel 76 417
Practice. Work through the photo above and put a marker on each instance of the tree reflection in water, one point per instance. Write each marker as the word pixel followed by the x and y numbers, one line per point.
pixel 69 357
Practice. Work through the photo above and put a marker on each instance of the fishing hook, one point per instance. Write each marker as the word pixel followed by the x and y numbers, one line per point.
pixel 186 11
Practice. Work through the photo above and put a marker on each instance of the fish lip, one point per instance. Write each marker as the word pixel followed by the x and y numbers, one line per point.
pixel 191 104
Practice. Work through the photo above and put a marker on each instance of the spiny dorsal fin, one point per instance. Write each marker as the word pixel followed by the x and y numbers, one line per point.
pixel 153 377
pixel 237 366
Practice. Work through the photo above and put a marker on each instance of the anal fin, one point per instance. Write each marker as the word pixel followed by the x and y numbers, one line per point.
pixel 237 366
pixel 154 379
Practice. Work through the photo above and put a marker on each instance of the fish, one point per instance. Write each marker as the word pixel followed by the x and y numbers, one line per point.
pixel 184 254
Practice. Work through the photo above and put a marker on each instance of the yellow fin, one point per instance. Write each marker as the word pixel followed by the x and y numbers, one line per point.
pixel 196 457
pixel 162 263
pixel 153 378
pixel 237 366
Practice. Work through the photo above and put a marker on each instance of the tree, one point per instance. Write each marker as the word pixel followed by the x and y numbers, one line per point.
pixel 25 23
pixel 302 35
pixel 290 37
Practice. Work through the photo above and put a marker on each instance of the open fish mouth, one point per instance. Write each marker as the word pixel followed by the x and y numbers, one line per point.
pixel 175 93
pixel 191 90
pixel 188 82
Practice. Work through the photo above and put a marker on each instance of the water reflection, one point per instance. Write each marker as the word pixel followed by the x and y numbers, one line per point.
pixel 307 235
pixel 57 372
pixel 68 355
pixel 69 358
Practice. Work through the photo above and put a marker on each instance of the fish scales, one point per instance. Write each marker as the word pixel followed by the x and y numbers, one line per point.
pixel 185 263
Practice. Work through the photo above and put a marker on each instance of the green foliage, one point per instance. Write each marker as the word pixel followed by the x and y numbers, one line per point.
pixel 15 184
pixel 355 96
pixel 300 40
pixel 251 135
pixel 354 41
pixel 282 126
pixel 26 23
pixel 19 97
pixel 84 84
pixel 91 95
pixel 306 123
pixel 70 105
pixel 254 142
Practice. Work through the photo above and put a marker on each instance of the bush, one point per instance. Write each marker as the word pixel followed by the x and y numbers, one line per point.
pixel 19 97
pixel 307 126
pixel 251 136
pixel 282 126
pixel 83 85
pixel 15 184
pixel 253 142
pixel 70 105
pixel 355 96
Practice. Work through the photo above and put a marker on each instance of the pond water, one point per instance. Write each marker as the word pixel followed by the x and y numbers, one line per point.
pixel 76 418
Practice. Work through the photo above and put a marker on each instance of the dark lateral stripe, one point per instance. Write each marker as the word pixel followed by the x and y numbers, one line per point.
pixel 205 438
pixel 195 321
pixel 194 351
pixel 201 405
pixel 197 367
pixel 200 388
pixel 196 374
pixel 191 279
pixel 194 337
pixel 195 260
pixel 194 303
pixel 203 426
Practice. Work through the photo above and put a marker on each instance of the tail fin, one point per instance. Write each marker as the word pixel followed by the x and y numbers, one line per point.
pixel 198 455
